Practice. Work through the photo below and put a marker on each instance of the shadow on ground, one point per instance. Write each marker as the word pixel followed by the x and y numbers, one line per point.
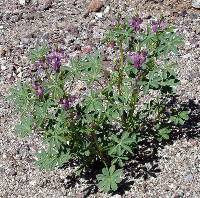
pixel 144 164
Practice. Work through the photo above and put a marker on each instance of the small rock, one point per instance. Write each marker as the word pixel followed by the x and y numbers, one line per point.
pixel 116 196
pixel 107 10
pixel 99 15
pixel 45 37
pixel 2 170
pixel 3 68
pixel 22 2
pixel 94 6
pixel 33 183
pixel 3 120
pixel 20 75
pixel 4 156
pixel 45 4
pixel 87 49
pixel 196 3
pixel 188 178
pixel 19 69
pixel 69 39
pixel 9 76
pixel 13 173
pixel 194 16
pixel 2 52
pixel 183 13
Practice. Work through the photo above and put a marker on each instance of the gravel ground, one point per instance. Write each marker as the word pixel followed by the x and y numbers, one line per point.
pixel 175 172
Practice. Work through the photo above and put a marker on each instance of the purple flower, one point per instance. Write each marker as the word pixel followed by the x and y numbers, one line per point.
pixel 135 23
pixel 54 59
pixel 156 25
pixel 163 24
pixel 39 90
pixel 138 58
pixel 66 103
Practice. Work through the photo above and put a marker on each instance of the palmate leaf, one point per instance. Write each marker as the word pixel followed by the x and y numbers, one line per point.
pixel 119 160
pixel 121 144
pixel 168 43
pixel 56 137
pixel 39 53
pixel 22 97
pixel 48 160
pixel 181 118
pixel 93 103
pixel 40 112
pixel 109 179
pixel 56 90
pixel 25 127
pixel 91 68
pixel 164 133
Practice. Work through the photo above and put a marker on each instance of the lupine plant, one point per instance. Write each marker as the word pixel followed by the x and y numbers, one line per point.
pixel 104 121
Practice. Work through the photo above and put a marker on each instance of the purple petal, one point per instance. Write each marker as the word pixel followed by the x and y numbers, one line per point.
pixel 135 23
pixel 138 58
pixel 66 103
pixel 155 26
pixel 55 58
pixel 163 25
pixel 39 90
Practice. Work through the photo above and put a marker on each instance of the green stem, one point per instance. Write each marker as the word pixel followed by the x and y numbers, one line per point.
pixel 120 68
pixel 135 93
pixel 99 148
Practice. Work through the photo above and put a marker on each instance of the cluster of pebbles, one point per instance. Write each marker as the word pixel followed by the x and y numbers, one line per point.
pixel 175 172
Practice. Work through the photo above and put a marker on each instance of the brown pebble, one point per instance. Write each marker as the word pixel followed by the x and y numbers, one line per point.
pixel 2 52
pixel 94 6
pixel 45 5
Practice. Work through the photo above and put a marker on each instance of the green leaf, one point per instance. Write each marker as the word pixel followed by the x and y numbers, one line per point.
pixel 121 145
pixel 48 160
pixel 38 53
pixel 25 127
pixel 168 43
pixel 56 91
pixel 93 104
pixel 164 133
pixel 184 115
pixel 180 118
pixel 22 97
pixel 56 137
pixel 109 179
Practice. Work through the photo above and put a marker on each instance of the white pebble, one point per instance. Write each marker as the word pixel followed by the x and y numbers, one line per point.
pixel 196 3
pixel 107 10
pixel 99 15
pixel 22 2
pixel 19 75
pixel 32 183
pixel 3 68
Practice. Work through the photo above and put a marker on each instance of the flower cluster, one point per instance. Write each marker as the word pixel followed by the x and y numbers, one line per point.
pixel 67 102
pixel 138 58
pixel 39 90
pixel 135 23
pixel 156 25
pixel 54 59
